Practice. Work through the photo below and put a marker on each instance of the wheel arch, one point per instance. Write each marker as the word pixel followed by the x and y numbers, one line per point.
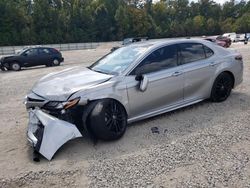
pixel 212 93
pixel 10 61
pixel 89 107
pixel 16 61
pixel 114 99
pixel 231 75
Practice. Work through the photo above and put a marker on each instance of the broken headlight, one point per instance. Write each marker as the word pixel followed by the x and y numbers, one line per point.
pixel 71 103
pixel 53 105
pixel 62 105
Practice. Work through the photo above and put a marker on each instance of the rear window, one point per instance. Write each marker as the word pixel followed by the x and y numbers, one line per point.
pixel 191 52
pixel 54 51
pixel 208 52
pixel 44 51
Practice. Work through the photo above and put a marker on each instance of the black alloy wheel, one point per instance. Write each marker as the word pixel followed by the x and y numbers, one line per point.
pixel 108 120
pixel 114 118
pixel 222 87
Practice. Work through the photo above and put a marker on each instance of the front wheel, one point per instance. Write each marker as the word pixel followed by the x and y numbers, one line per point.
pixel 15 66
pixel 108 120
pixel 222 87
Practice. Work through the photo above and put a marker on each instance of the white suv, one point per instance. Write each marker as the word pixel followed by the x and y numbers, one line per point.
pixel 232 36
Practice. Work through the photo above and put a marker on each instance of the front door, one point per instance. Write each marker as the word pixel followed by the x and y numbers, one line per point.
pixel 165 87
pixel 31 57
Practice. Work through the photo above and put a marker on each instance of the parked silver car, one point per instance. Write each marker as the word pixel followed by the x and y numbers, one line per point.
pixel 132 83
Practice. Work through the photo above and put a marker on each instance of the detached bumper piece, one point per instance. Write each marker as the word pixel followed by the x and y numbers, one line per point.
pixel 47 133
pixel 2 67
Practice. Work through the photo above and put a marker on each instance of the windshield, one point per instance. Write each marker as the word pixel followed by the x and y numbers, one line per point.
pixel 119 60
pixel 22 50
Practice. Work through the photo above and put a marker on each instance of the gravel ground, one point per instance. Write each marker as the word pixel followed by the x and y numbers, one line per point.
pixel 204 145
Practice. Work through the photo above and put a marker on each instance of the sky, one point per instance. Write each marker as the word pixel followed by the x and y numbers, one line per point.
pixel 217 1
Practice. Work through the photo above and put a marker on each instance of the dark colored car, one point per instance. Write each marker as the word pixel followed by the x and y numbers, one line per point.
pixel 134 39
pixel 226 40
pixel 29 57
pixel 128 41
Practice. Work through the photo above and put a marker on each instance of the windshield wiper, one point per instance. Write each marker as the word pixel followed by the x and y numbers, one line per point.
pixel 99 71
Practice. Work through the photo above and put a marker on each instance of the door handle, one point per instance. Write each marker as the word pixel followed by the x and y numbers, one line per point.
pixel 212 64
pixel 177 73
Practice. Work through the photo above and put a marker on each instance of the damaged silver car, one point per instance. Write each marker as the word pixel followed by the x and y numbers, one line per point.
pixel 132 83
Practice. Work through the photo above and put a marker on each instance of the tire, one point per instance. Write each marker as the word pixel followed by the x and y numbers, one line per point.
pixel 55 62
pixel 15 66
pixel 108 120
pixel 222 87
pixel 7 66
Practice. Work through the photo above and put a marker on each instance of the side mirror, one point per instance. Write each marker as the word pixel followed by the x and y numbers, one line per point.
pixel 143 79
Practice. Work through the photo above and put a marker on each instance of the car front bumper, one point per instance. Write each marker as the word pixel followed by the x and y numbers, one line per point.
pixel 1 66
pixel 47 133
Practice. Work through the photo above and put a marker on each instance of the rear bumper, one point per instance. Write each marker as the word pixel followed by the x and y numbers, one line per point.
pixel 239 74
pixel 47 134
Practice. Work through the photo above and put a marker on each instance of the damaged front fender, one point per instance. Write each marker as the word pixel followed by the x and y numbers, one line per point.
pixel 47 133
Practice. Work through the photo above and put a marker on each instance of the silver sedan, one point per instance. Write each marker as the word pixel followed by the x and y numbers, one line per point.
pixel 134 82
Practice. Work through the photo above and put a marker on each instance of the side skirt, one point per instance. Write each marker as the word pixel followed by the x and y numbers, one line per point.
pixel 162 110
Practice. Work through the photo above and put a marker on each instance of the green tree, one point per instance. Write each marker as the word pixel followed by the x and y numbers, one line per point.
pixel 242 25
pixel 199 25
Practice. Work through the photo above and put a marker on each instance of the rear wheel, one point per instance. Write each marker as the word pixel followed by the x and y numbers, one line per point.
pixel 222 87
pixel 56 62
pixel 107 120
pixel 15 66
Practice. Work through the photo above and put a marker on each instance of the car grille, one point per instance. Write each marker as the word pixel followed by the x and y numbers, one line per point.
pixel 35 100
pixel 32 102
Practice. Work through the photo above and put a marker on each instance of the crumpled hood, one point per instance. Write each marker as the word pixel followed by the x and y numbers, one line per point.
pixel 61 85
pixel 8 56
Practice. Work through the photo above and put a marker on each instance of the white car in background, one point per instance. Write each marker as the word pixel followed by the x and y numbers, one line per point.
pixel 241 37
pixel 232 36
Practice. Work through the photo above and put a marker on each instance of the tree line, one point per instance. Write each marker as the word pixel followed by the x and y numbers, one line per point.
pixel 26 22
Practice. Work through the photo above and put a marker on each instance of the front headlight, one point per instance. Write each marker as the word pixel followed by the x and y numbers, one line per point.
pixel 62 105
pixel 53 105
pixel 71 103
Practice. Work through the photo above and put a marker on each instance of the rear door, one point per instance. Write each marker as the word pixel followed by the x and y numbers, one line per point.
pixel 165 86
pixel 45 56
pixel 198 67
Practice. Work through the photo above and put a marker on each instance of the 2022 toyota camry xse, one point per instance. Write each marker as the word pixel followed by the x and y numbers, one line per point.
pixel 134 82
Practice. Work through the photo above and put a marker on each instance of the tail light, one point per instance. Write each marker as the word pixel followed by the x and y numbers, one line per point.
pixel 239 57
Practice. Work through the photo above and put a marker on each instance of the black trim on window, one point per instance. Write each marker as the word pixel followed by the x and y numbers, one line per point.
pixel 182 58
pixel 157 61
pixel 204 46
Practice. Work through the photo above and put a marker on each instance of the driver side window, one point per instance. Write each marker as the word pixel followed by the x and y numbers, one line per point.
pixel 31 52
pixel 160 59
